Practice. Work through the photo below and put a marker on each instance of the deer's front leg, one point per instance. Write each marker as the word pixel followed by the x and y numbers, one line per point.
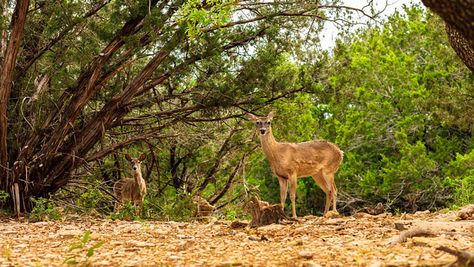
pixel 293 184
pixel 283 190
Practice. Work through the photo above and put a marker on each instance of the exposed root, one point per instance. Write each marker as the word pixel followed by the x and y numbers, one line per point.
pixel 464 258
pixel 403 237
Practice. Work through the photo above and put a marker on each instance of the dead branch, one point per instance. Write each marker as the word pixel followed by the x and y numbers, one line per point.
pixel 412 233
pixel 464 258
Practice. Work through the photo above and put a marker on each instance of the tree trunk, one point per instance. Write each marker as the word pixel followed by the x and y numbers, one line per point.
pixel 459 18
pixel 6 68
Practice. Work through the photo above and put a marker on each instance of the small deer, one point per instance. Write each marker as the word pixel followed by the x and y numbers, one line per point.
pixel 131 189
pixel 319 159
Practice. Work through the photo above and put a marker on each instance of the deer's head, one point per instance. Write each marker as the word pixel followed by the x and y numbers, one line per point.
pixel 135 162
pixel 263 123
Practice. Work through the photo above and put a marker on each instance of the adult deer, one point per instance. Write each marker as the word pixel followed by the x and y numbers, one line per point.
pixel 319 159
pixel 132 189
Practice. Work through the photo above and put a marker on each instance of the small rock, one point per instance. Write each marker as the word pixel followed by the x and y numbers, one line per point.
pixel 306 254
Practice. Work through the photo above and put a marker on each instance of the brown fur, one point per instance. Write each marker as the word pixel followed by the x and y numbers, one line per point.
pixel 132 189
pixel 319 159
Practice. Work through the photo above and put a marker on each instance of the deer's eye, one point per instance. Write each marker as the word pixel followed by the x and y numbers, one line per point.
pixel 269 123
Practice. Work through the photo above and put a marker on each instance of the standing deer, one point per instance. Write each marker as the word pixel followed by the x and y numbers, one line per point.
pixel 319 159
pixel 132 189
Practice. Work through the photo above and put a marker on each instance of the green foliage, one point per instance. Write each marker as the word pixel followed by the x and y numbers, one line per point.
pixel 126 212
pixel 400 109
pixel 460 178
pixel 83 244
pixel 198 16
pixel 172 206
pixel 92 199
pixel 3 197
pixel 44 210
pixel 394 106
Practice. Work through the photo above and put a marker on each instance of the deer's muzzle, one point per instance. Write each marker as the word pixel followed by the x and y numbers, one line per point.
pixel 262 131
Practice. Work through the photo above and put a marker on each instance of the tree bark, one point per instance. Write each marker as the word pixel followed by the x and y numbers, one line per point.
pixel 6 67
pixel 459 18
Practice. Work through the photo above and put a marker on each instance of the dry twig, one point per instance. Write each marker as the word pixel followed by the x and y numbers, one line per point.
pixel 403 237
pixel 464 258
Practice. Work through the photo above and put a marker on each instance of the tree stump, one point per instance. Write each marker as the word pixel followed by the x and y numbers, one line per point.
pixel 263 213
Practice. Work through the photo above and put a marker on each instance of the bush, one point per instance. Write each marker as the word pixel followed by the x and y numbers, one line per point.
pixel 44 210
pixel 460 179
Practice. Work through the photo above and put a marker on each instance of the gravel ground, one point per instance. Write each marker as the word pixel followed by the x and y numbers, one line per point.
pixel 361 240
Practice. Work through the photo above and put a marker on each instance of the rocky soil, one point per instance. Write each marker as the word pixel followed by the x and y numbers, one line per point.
pixel 360 240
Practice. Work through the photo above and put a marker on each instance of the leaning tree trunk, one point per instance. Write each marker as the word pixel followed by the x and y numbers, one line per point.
pixel 7 65
pixel 38 158
pixel 459 18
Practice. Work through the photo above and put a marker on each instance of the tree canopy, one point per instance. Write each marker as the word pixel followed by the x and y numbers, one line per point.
pixel 83 82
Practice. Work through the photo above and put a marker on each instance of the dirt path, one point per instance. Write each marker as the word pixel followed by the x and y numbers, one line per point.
pixel 314 241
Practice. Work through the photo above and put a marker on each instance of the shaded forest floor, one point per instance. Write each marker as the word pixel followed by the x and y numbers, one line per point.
pixel 363 240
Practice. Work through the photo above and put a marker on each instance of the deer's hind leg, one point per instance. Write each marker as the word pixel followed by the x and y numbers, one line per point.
pixel 320 180
pixel 331 185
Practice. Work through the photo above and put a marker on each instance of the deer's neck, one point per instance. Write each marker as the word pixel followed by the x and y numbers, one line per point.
pixel 269 145
pixel 139 179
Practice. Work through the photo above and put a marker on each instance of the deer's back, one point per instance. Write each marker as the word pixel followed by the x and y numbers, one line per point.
pixel 312 154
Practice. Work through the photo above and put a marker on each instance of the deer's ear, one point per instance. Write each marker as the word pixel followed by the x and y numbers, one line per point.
pixel 142 157
pixel 127 156
pixel 251 117
pixel 270 115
